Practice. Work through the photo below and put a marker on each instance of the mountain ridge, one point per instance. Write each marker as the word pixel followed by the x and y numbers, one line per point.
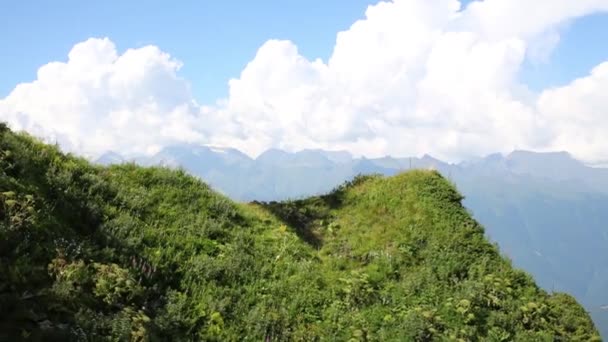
pixel 513 195
pixel 133 253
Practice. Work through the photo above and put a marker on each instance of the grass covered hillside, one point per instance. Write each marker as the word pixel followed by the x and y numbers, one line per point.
pixel 135 254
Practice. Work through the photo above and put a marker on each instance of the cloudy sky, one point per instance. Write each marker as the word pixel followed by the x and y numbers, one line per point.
pixel 405 77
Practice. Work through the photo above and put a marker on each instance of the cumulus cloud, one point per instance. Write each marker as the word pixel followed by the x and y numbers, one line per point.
pixel 578 115
pixel 99 100
pixel 412 77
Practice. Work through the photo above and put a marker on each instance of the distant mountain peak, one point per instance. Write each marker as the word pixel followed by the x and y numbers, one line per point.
pixel 494 157
pixel 542 160
pixel 427 156
pixel 273 155
pixel 557 155
pixel 339 156
pixel 110 158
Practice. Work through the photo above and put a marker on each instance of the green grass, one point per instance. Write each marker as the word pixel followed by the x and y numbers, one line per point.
pixel 131 253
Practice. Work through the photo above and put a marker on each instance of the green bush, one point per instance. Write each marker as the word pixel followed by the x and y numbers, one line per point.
pixel 135 254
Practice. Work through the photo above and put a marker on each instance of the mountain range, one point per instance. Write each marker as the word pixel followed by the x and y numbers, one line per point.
pixel 548 212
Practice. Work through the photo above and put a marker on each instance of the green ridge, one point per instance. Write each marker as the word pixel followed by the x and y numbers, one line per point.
pixel 133 254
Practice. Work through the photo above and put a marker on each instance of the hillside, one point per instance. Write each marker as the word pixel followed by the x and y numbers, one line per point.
pixel 88 252
pixel 547 211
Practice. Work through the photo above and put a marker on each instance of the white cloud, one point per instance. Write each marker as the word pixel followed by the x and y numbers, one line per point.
pixel 502 19
pixel 99 100
pixel 413 77
pixel 578 114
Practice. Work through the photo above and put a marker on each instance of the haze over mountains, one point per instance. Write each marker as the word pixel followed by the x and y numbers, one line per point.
pixel 547 211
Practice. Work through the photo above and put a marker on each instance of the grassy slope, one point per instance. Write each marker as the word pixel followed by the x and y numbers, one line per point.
pixel 407 243
pixel 89 252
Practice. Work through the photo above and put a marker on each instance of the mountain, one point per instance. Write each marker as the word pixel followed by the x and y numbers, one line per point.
pixel 198 158
pixel 132 253
pixel 552 225
pixel 110 158
pixel 547 211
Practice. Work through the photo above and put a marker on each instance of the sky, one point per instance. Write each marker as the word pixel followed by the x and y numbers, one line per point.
pixel 213 39
pixel 404 77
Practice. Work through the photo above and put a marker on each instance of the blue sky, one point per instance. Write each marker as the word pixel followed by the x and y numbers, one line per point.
pixel 580 49
pixel 216 39
pixel 412 77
